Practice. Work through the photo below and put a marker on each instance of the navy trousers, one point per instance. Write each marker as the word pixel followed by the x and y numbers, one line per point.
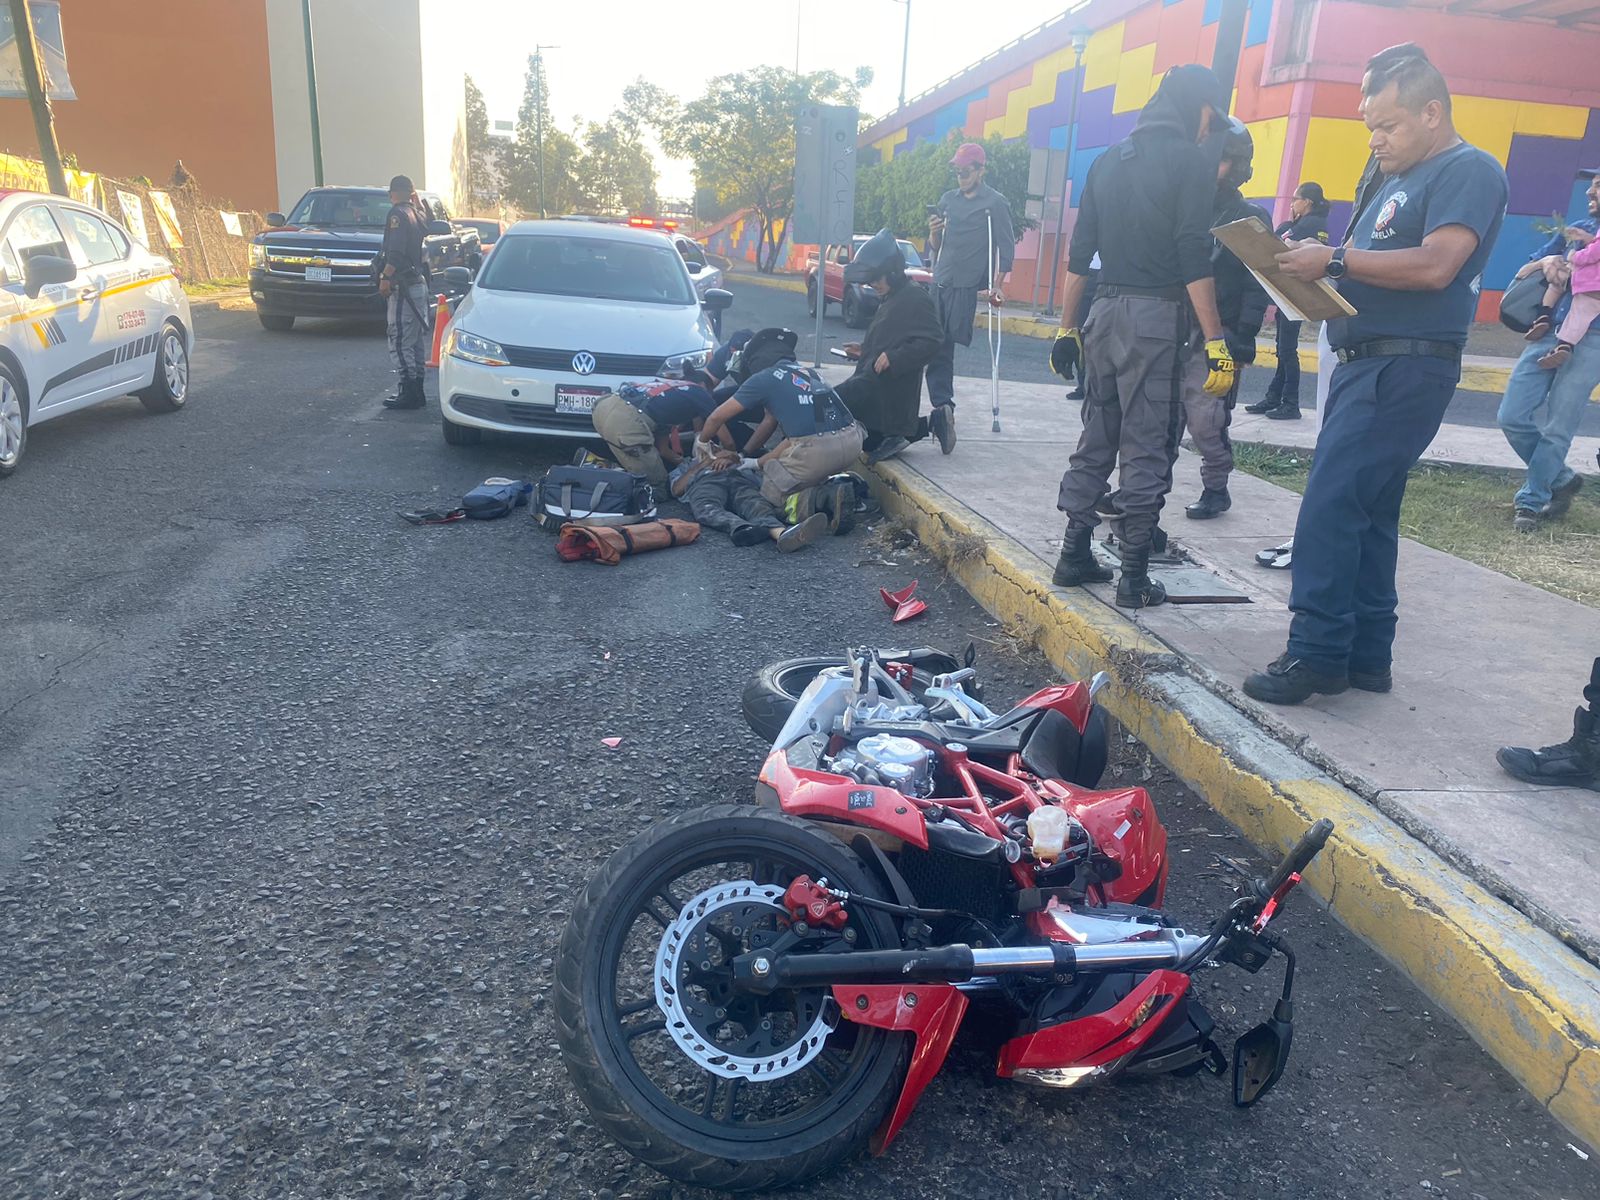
pixel 1381 415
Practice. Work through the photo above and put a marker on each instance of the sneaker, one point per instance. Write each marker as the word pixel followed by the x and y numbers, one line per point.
pixel 1265 405
pixel 797 536
pixel 750 535
pixel 1285 412
pixel 943 423
pixel 1525 520
pixel 1288 680
pixel 1372 681
pixel 888 448
pixel 1572 763
pixel 1561 498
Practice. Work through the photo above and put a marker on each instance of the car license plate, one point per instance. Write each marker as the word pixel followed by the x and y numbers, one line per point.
pixel 319 274
pixel 578 399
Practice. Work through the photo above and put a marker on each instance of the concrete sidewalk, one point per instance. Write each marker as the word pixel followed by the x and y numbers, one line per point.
pixel 1485 890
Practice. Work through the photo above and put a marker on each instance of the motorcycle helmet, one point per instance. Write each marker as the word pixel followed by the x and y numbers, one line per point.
pixel 878 256
pixel 766 348
pixel 1238 151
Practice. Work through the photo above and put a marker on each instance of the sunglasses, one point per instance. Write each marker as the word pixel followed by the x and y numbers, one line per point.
pixel 963 172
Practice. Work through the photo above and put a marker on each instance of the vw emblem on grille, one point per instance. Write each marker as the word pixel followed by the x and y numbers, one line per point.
pixel 583 363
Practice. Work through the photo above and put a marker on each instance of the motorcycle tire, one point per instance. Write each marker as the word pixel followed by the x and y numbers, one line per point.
pixel 770 697
pixel 670 1129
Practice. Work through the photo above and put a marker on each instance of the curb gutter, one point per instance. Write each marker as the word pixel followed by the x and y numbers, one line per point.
pixel 1527 999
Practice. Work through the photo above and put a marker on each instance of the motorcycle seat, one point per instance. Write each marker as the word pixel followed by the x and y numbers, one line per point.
pixel 1051 748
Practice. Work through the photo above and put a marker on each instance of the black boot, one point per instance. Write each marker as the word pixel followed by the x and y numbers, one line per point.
pixel 1287 680
pixel 410 395
pixel 1077 564
pixel 1213 502
pixel 1289 410
pixel 1264 405
pixel 1573 763
pixel 1135 588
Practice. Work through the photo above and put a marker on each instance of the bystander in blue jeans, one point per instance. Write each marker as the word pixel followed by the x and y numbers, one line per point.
pixel 1540 411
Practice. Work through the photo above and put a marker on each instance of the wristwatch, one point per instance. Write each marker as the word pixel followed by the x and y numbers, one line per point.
pixel 1336 268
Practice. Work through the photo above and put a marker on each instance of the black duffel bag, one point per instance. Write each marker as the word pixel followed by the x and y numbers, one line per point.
pixel 592 496
pixel 1520 301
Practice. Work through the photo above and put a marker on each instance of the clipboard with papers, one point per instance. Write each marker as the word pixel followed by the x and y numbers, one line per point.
pixel 1257 247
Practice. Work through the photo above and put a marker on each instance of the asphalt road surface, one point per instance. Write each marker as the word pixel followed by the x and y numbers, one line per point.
pixel 294 797
pixel 1026 360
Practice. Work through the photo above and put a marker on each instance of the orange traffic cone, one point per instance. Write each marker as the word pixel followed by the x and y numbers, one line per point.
pixel 441 318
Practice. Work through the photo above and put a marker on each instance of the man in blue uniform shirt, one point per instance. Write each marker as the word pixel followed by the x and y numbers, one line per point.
pixel 1411 269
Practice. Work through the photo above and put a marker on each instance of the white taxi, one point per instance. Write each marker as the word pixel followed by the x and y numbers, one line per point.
pixel 86 314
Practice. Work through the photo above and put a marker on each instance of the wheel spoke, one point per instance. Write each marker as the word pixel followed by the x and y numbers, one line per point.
pixel 634 1007
pixel 630 1032
pixel 720 1094
pixel 664 920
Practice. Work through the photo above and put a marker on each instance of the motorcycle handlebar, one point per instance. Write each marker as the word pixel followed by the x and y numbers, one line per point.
pixel 1299 858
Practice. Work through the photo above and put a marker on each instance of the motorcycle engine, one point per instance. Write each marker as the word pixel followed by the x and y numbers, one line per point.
pixel 889 761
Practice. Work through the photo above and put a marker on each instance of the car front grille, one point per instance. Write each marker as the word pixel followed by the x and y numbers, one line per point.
pixel 635 365
pixel 347 264
pixel 512 412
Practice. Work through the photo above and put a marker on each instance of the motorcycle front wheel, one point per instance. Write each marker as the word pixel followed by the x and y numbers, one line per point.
pixel 708 1084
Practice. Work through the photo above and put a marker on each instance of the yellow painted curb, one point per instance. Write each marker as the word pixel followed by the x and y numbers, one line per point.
pixel 1532 1003
pixel 780 282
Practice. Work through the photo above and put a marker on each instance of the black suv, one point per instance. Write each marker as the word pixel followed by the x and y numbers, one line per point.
pixel 321 259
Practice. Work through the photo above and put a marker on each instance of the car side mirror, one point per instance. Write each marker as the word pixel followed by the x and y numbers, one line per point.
pixel 717 300
pixel 277 219
pixel 458 277
pixel 443 228
pixel 44 269
pixel 694 268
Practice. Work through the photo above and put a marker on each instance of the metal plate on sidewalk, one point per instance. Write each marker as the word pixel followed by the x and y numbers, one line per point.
pixel 1195 585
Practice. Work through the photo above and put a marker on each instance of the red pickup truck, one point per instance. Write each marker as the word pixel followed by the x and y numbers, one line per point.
pixel 859 301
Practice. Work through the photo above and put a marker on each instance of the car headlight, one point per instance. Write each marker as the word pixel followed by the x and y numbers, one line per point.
pixel 476 349
pixel 678 365
pixel 258 255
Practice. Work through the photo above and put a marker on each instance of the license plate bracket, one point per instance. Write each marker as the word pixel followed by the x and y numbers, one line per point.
pixel 578 399
pixel 319 274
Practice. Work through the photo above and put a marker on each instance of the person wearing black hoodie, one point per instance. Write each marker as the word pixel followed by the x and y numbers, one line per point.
pixel 1146 210
pixel 1308 222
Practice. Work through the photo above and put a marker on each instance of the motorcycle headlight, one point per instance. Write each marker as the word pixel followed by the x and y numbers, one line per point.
pixel 258 255
pixel 476 349
pixel 679 365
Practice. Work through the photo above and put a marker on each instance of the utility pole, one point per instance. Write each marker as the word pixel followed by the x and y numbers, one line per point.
pixel 38 97
pixel 905 53
pixel 1230 34
pixel 1080 43
pixel 311 91
pixel 538 118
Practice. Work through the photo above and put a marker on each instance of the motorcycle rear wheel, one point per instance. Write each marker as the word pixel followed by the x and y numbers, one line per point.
pixel 770 697
pixel 653 1096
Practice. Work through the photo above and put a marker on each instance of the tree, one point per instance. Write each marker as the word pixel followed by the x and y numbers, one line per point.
pixel 895 194
pixel 480 164
pixel 616 173
pixel 740 137
pixel 520 159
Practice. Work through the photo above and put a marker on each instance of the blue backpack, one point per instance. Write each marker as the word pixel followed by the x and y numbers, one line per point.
pixel 495 498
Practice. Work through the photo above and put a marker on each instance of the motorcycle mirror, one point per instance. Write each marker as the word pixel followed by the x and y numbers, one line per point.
pixel 970 658
pixel 1259 1058
pixel 1099 681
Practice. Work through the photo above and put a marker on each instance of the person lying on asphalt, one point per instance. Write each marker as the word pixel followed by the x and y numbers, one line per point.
pixel 820 438
pixel 642 424
pixel 721 495
pixel 905 334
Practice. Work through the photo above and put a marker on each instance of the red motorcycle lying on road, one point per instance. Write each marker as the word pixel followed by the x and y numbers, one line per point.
pixel 747 996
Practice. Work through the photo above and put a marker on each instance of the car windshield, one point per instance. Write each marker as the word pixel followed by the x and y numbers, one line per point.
pixel 341 208
pixel 488 231
pixel 913 259
pixel 580 266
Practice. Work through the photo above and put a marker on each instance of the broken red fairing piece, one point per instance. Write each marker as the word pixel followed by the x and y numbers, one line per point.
pixel 907 610
pixel 893 600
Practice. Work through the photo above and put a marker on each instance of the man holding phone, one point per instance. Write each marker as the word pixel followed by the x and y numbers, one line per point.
pixel 970 222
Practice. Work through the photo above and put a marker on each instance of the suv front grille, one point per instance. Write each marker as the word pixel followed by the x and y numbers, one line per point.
pixel 637 365
pixel 347 264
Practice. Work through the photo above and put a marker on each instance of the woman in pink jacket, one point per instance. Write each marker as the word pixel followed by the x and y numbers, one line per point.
pixel 1585 300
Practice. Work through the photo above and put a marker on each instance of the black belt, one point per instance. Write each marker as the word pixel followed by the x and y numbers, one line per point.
pixel 1394 347
pixel 1176 293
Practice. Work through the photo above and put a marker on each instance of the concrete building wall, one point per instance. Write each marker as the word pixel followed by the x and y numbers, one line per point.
pixel 142 73
pixel 1522 92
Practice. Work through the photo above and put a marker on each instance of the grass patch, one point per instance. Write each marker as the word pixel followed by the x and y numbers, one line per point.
pixel 1466 511
pixel 211 287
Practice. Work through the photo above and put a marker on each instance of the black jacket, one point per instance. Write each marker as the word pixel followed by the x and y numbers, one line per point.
pixel 403 236
pixel 906 328
pixel 1241 301
pixel 1311 227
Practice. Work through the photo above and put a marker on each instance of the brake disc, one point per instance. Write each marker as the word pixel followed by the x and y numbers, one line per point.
pixel 695 992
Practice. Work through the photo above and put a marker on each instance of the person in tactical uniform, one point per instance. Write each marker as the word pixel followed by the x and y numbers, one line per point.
pixel 1146 210
pixel 905 334
pixel 404 284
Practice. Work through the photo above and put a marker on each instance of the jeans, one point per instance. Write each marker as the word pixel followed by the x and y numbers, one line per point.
pixel 1286 379
pixel 1382 413
pixel 1542 439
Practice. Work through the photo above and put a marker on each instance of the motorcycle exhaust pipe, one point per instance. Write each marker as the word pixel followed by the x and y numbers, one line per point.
pixel 764 972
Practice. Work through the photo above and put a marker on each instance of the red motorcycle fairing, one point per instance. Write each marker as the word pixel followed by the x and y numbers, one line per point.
pixel 1124 826
pixel 932 1012
pixel 1071 700
pixel 1099 1043
pixel 820 795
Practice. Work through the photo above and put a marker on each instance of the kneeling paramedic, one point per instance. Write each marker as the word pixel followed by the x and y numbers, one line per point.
pixel 641 424
pixel 905 334
pixel 1146 211
pixel 404 285
pixel 820 438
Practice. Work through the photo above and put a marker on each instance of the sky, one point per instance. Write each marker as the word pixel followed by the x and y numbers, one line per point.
pixel 604 46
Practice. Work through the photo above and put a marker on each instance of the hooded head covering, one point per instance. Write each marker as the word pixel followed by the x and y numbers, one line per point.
pixel 1184 93
pixel 879 255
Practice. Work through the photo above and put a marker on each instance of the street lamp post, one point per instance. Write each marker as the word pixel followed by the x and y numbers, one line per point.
pixel 905 53
pixel 311 91
pixel 538 120
pixel 1080 42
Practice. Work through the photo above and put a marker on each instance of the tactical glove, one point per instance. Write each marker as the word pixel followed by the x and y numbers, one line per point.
pixel 1066 353
pixel 1220 367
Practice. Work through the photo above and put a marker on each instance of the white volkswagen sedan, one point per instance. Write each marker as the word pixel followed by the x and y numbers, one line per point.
pixel 562 313
pixel 86 314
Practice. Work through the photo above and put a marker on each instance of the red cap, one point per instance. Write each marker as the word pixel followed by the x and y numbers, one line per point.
pixel 970 154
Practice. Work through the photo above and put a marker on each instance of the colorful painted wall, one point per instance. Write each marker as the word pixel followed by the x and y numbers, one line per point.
pixel 1525 92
